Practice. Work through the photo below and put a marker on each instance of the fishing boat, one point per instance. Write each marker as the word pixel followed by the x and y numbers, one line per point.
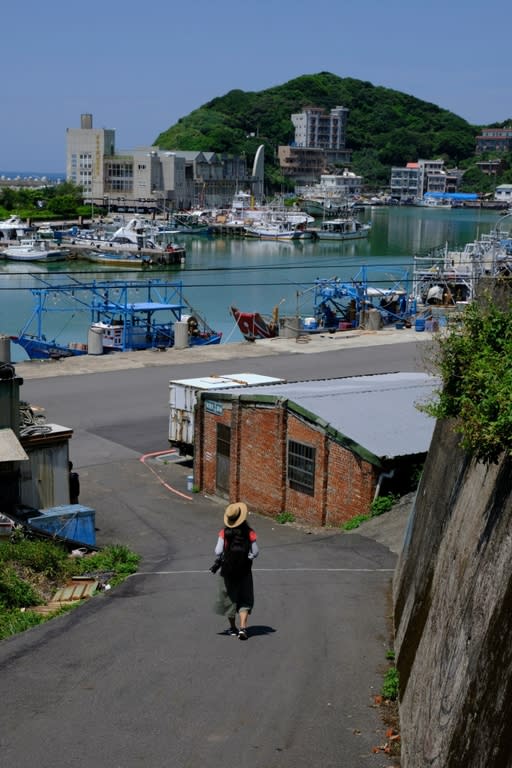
pixel 348 228
pixel 131 237
pixel 13 227
pixel 122 315
pixel 271 230
pixel 336 306
pixel 448 277
pixel 34 249
pixel 171 255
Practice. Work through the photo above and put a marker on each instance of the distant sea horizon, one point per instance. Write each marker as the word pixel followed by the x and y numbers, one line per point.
pixel 50 175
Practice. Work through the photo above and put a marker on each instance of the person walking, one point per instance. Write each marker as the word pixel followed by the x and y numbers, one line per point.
pixel 236 548
pixel 74 484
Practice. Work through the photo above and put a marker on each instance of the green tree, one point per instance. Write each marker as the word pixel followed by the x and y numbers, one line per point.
pixel 397 127
pixel 474 365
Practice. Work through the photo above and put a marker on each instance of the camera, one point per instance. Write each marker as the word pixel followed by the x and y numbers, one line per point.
pixel 217 564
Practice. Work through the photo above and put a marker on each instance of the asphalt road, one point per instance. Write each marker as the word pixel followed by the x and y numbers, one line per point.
pixel 142 675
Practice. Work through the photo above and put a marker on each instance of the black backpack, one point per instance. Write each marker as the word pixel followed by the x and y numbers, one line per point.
pixel 237 545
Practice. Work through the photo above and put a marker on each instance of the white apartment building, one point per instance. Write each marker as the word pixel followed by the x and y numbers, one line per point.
pixel 432 176
pixel 149 178
pixel 415 179
pixel 314 128
pixel 319 144
pixel 503 193
pixel 346 184
pixel 405 183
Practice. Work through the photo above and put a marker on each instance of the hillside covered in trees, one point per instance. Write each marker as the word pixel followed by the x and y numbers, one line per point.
pixel 385 127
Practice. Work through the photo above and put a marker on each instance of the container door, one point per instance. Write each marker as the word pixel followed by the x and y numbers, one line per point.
pixel 223 463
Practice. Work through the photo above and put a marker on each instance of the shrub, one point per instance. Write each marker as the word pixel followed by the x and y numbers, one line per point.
pixel 474 366
pixel 46 557
pixel 116 560
pixel 355 522
pixel 14 591
pixel 28 565
pixel 390 685
pixel 378 506
pixel 382 504
pixel 285 517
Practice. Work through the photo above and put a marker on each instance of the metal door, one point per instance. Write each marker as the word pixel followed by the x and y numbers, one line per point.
pixel 223 464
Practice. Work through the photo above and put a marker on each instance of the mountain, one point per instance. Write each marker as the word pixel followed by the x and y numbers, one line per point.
pixel 385 127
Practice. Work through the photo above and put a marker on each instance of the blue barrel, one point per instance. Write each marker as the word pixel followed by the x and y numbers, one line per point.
pixel 420 324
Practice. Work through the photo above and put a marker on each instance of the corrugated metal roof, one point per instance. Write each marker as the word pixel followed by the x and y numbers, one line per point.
pixel 378 412
pixel 226 380
pixel 10 447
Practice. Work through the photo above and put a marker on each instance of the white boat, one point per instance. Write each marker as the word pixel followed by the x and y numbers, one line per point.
pixel 33 249
pixel 45 231
pixel 131 237
pixel 348 228
pixel 12 228
pixel 436 203
pixel 276 231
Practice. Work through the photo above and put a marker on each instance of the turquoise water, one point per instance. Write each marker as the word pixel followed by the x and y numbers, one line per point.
pixel 251 274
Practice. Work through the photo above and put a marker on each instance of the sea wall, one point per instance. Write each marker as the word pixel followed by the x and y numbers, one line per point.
pixel 453 613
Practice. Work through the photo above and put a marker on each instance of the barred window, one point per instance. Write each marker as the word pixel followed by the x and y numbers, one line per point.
pixel 301 467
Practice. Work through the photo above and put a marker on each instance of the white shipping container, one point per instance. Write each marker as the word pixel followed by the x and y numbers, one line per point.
pixel 183 398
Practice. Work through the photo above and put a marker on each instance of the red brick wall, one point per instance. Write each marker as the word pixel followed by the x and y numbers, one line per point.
pixel 306 508
pixel 351 485
pixel 205 446
pixel 344 483
pixel 260 464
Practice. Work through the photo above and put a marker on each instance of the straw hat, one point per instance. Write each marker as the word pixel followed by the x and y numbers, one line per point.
pixel 235 514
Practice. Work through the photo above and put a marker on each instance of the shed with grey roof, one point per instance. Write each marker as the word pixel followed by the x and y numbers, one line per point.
pixel 320 450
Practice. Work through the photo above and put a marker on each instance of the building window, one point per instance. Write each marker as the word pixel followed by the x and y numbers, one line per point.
pixel 223 440
pixel 301 467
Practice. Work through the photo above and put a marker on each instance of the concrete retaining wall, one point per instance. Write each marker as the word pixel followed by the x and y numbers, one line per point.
pixel 453 613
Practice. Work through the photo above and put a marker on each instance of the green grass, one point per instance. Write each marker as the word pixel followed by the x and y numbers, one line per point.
pixel 390 685
pixel 285 517
pixel 378 506
pixel 355 522
pixel 30 569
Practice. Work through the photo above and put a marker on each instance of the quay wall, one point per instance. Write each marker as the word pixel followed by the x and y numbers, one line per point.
pixel 453 613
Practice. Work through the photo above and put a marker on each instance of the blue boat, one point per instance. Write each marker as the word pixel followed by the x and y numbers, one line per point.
pixel 337 305
pixel 123 315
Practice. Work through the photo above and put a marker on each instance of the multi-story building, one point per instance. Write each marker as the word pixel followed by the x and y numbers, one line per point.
pixel 432 176
pixel 405 183
pixel 302 164
pixel 315 128
pixel 415 179
pixel 150 178
pixel 494 140
pixel 319 144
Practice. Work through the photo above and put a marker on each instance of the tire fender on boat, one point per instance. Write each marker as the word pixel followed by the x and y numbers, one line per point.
pixel 245 326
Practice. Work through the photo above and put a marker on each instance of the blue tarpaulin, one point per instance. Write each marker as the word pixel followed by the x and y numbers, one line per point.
pixel 452 195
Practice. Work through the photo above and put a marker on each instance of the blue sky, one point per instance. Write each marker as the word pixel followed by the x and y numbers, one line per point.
pixel 138 68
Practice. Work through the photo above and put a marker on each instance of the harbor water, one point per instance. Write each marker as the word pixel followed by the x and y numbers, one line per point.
pixel 251 274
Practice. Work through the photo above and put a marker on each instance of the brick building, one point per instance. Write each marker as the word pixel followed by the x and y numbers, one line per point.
pixel 320 450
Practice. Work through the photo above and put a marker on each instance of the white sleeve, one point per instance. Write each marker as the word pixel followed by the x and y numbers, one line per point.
pixel 254 550
pixel 219 547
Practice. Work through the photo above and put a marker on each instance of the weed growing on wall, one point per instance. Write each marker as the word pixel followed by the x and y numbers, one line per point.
pixel 390 684
pixel 474 365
